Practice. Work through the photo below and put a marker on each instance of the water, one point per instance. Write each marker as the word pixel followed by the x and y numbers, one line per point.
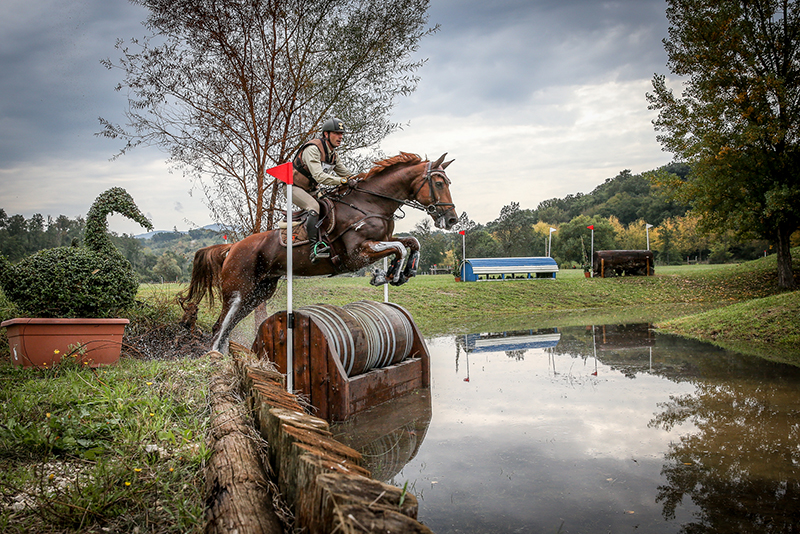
pixel 592 429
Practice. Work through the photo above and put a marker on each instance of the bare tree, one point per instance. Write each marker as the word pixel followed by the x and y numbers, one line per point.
pixel 230 88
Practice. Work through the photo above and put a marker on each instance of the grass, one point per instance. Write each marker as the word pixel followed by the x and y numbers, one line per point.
pixel 767 327
pixel 122 448
pixel 117 448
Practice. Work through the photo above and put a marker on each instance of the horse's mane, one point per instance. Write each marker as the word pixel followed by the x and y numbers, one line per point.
pixel 404 158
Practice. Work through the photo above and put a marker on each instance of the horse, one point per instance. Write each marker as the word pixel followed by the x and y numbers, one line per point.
pixel 360 224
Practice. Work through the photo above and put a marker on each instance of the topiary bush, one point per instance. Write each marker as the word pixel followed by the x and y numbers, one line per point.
pixel 91 281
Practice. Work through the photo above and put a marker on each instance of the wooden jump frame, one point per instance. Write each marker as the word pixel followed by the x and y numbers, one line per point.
pixel 320 375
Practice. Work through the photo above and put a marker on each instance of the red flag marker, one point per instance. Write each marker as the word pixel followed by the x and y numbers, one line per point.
pixel 590 227
pixel 463 232
pixel 283 172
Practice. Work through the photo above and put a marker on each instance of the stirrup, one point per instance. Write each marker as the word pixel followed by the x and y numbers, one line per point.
pixel 320 249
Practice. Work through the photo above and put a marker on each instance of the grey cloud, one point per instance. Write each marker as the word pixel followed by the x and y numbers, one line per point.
pixel 501 53
pixel 53 87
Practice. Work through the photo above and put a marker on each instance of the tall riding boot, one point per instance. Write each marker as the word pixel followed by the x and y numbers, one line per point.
pixel 318 249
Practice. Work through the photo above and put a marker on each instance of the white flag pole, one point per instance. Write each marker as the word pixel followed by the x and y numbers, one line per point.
pixel 386 285
pixel 647 230
pixel 289 314
pixel 464 256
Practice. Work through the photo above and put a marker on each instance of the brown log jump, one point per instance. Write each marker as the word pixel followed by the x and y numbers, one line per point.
pixel 610 263
pixel 348 359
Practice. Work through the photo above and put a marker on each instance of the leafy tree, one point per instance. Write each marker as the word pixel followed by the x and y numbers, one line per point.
pixel 737 121
pixel 167 268
pixel 632 236
pixel 513 230
pixel 230 89
pixel 569 247
pixel 433 244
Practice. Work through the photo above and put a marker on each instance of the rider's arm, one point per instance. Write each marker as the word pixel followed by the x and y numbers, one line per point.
pixel 313 161
pixel 341 170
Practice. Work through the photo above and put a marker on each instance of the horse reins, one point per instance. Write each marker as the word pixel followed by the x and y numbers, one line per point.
pixel 416 204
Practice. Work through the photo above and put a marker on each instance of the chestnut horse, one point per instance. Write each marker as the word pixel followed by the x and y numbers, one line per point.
pixel 248 272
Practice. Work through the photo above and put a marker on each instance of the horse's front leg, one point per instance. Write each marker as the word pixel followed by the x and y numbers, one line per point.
pixel 412 245
pixel 371 251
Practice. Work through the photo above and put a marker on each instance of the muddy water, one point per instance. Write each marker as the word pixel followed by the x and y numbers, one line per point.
pixel 592 429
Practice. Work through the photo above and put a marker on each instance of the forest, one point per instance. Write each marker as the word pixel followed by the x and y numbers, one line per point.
pixel 619 209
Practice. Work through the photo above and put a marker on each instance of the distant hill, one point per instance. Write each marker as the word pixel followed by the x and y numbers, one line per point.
pixel 209 227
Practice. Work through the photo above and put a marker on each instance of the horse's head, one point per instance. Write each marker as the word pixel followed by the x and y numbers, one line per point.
pixel 433 193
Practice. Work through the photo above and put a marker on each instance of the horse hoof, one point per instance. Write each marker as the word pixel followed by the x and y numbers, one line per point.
pixel 378 278
pixel 399 280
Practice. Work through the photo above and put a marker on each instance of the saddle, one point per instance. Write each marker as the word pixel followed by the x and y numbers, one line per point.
pixel 327 220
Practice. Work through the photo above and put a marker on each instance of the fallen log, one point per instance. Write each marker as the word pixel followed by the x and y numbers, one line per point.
pixel 610 263
pixel 236 489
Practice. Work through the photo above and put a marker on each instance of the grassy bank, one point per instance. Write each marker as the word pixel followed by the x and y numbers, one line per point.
pixel 734 296
pixel 122 448
pixel 768 327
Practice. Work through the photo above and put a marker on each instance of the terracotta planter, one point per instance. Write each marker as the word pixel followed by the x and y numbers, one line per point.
pixel 43 342
pixel 587 275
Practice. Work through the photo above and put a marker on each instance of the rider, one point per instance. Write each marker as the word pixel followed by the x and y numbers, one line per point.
pixel 317 163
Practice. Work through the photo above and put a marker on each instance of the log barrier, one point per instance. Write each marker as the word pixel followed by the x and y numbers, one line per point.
pixel 348 359
pixel 610 263
pixel 318 478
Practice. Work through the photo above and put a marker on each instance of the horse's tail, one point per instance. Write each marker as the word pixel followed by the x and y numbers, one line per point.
pixel 206 270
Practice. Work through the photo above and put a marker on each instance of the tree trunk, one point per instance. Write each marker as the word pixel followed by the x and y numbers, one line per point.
pixel 785 272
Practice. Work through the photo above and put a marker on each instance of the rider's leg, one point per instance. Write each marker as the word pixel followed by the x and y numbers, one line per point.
pixel 307 201
pixel 318 249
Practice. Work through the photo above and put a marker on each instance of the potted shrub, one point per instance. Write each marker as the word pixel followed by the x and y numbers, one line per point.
pixel 70 295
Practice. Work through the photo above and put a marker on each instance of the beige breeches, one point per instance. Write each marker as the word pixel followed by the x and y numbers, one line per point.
pixel 304 199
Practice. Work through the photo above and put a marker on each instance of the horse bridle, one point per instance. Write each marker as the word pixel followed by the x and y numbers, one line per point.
pixel 431 208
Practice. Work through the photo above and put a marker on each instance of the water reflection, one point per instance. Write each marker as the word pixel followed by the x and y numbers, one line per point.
pixel 595 428
pixel 741 465
pixel 389 435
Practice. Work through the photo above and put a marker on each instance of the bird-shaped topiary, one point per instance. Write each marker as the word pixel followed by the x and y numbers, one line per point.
pixel 94 280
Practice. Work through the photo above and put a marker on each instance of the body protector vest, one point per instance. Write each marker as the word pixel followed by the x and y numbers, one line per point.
pixel 302 175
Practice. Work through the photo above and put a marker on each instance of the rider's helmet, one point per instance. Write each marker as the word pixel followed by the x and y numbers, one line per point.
pixel 333 125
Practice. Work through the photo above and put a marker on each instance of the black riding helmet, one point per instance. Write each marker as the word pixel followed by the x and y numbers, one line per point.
pixel 333 125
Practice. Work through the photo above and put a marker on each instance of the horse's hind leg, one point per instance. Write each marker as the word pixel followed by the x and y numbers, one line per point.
pixel 236 306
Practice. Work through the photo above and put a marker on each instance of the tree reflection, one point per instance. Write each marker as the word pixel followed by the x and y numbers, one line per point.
pixel 740 465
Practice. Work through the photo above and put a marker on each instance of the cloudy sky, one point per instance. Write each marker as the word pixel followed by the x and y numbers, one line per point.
pixel 534 99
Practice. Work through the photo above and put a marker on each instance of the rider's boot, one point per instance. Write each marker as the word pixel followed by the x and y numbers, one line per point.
pixel 319 249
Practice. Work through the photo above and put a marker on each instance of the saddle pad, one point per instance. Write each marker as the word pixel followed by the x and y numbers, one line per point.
pixel 300 236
